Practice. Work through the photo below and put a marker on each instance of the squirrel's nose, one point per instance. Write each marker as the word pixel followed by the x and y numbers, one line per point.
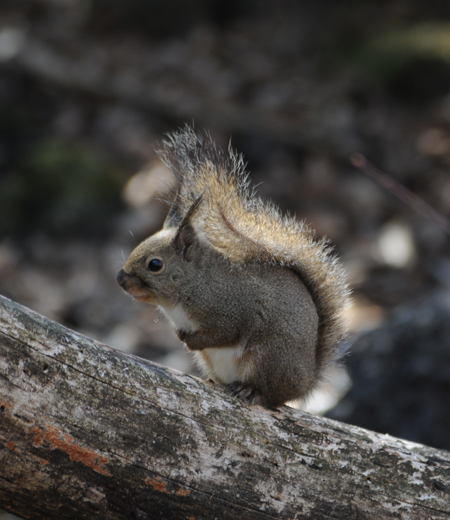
pixel 121 277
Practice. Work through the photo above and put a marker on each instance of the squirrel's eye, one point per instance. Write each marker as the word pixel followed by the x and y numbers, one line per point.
pixel 155 265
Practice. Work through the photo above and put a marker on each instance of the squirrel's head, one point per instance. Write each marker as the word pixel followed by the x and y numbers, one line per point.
pixel 156 269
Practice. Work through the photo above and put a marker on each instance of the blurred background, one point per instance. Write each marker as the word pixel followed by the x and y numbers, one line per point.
pixel 88 88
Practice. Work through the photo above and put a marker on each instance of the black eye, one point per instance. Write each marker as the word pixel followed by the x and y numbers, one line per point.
pixel 155 265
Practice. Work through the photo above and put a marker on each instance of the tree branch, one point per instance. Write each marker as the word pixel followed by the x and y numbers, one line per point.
pixel 87 431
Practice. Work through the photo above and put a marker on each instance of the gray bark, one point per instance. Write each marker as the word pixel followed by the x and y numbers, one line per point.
pixel 87 431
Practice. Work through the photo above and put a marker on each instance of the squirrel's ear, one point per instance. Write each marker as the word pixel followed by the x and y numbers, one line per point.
pixel 186 238
pixel 186 242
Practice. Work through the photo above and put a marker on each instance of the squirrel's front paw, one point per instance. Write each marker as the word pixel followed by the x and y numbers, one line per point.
pixel 246 393
pixel 182 335
pixel 193 340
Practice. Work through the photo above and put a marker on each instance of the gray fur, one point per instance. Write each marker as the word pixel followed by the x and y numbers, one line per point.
pixel 242 277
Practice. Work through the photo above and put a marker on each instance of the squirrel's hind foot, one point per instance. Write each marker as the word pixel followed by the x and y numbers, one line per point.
pixel 246 393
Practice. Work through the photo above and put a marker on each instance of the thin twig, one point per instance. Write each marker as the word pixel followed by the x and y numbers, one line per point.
pixel 408 197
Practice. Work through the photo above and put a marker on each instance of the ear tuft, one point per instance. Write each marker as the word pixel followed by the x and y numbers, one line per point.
pixel 186 238
pixel 186 242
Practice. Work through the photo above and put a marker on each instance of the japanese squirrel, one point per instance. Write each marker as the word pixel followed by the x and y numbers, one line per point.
pixel 256 297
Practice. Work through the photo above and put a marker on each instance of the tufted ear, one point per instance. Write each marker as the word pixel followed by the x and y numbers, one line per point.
pixel 186 240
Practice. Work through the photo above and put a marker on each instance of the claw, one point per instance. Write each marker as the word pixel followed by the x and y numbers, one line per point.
pixel 246 393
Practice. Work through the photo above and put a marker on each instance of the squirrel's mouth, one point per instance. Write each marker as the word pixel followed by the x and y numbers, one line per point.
pixel 138 296
pixel 134 287
pixel 143 297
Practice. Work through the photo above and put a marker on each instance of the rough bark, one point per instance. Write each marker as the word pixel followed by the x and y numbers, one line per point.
pixel 90 432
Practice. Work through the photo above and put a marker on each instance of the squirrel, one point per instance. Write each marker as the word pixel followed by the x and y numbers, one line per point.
pixel 252 293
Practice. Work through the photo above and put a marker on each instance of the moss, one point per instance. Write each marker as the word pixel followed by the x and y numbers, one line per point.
pixel 387 50
pixel 59 189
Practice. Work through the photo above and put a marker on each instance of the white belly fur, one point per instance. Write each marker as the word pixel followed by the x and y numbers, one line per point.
pixel 221 364
pixel 179 319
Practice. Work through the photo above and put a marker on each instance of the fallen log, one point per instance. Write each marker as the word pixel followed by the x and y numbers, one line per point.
pixel 87 431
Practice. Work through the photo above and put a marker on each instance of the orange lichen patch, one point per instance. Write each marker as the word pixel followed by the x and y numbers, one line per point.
pixel 38 438
pixel 160 485
pixel 11 446
pixel 183 492
pixel 64 442
pixel 43 461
